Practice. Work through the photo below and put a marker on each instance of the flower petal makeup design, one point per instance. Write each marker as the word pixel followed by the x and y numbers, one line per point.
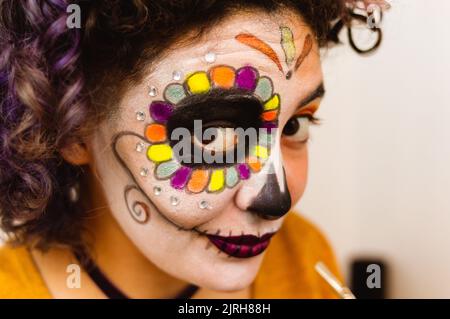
pixel 307 47
pixel 258 44
pixel 287 44
pixel 237 90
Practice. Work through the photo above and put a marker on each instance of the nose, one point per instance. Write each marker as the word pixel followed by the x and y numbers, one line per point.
pixel 267 194
pixel 274 200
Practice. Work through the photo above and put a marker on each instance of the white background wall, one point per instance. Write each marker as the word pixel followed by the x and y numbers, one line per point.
pixel 380 163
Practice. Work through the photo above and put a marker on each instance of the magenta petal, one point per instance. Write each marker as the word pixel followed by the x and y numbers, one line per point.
pixel 180 178
pixel 269 126
pixel 161 111
pixel 246 78
pixel 244 171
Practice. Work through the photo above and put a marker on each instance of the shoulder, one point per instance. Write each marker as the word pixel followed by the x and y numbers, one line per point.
pixel 19 276
pixel 304 237
pixel 288 266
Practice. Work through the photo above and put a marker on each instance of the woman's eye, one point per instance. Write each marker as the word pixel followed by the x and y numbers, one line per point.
pixel 218 139
pixel 297 129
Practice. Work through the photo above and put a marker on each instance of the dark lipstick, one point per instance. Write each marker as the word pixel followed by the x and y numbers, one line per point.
pixel 244 246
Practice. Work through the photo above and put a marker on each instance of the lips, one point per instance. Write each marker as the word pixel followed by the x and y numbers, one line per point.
pixel 244 246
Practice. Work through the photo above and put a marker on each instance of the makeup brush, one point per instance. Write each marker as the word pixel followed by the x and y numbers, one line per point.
pixel 343 291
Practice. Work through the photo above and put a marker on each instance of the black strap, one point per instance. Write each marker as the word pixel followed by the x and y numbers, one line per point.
pixel 112 292
pixel 188 292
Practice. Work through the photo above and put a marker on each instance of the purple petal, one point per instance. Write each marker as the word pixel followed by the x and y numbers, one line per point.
pixel 246 78
pixel 161 111
pixel 269 126
pixel 244 171
pixel 180 178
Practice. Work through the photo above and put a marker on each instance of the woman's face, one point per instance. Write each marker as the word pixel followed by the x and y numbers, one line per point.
pixel 203 207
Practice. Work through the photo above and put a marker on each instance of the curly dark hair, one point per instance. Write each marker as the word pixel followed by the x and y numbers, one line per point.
pixel 50 77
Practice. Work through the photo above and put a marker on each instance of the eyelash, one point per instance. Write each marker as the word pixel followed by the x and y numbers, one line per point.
pixel 312 119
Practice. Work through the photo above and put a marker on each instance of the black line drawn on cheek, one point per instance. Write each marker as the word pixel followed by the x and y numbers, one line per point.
pixel 139 210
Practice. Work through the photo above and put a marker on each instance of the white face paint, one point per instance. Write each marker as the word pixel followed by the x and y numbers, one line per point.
pixel 196 228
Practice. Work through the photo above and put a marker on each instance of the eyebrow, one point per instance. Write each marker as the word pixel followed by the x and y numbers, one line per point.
pixel 319 92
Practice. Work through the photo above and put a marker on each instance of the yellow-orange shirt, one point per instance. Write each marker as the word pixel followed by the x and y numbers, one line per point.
pixel 287 270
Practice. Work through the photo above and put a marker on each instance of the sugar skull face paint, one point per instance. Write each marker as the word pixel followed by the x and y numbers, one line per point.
pixel 235 98
pixel 209 223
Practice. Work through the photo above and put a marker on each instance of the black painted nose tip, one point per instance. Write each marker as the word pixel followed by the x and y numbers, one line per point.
pixel 272 203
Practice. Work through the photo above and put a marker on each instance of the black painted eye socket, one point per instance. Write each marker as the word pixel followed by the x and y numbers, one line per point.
pixel 221 112
pixel 223 138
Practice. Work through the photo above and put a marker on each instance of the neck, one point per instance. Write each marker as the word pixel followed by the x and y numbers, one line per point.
pixel 120 260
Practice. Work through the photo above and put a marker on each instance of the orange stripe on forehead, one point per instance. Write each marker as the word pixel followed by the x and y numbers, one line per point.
pixel 256 43
pixel 307 47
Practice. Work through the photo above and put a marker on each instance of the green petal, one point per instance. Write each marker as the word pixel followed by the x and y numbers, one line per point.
pixel 264 89
pixel 287 42
pixel 174 93
pixel 167 169
pixel 232 177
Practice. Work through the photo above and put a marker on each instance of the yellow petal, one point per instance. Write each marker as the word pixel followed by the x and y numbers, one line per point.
pixel 159 153
pixel 273 103
pixel 217 181
pixel 261 152
pixel 198 83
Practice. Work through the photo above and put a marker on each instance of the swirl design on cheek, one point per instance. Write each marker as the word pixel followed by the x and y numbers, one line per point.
pixel 246 80
pixel 138 209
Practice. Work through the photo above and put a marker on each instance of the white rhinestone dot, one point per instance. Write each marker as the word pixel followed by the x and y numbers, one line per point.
pixel 174 201
pixel 210 57
pixel 204 205
pixel 153 91
pixel 140 116
pixel 157 190
pixel 144 172
pixel 177 75
pixel 140 147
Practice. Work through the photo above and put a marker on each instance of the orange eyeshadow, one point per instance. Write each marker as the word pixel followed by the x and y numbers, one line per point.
pixel 309 110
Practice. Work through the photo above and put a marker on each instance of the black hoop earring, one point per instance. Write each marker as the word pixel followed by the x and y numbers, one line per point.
pixel 352 42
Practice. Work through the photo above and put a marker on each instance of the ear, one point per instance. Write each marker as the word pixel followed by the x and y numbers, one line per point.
pixel 76 154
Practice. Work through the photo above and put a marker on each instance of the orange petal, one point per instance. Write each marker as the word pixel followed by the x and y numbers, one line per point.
pixel 223 76
pixel 269 116
pixel 199 181
pixel 307 47
pixel 156 133
pixel 254 164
